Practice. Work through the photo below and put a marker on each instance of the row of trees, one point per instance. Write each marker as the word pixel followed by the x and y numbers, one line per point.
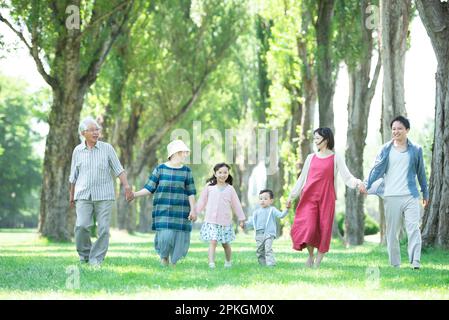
pixel 152 66
pixel 21 167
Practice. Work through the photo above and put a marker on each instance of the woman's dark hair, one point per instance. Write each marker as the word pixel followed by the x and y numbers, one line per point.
pixel 402 120
pixel 213 180
pixel 327 135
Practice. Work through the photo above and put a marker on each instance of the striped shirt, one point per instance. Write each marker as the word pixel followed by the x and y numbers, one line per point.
pixel 91 171
pixel 171 188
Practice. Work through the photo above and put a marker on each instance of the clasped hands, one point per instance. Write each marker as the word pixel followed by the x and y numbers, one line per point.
pixel 361 187
pixel 129 194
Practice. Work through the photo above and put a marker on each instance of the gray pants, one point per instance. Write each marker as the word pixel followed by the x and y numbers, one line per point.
pixel 85 209
pixel 264 250
pixel 397 211
pixel 173 244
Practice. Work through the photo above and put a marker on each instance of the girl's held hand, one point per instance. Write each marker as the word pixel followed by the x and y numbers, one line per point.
pixel 192 216
pixel 289 204
pixel 242 224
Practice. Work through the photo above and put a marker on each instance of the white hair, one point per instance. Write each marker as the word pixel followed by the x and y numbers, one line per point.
pixel 84 124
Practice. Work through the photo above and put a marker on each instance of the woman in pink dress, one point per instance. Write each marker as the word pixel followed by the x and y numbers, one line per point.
pixel 316 187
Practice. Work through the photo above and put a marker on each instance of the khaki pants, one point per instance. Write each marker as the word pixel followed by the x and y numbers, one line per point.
pixel 397 211
pixel 264 251
pixel 85 209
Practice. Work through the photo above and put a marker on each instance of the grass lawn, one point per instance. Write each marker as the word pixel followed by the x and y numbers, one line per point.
pixel 33 268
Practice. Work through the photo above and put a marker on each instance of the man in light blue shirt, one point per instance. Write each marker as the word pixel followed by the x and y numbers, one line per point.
pixel 393 177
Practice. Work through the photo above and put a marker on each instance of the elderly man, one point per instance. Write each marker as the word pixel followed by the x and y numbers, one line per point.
pixel 92 190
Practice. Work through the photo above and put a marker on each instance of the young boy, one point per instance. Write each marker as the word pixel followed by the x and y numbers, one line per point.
pixel 263 221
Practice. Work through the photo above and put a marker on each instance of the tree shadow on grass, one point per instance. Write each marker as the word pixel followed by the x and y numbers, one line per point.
pixel 131 274
pixel 132 267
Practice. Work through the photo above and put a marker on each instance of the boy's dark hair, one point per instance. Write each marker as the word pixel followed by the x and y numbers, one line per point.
pixel 327 135
pixel 402 120
pixel 213 180
pixel 267 191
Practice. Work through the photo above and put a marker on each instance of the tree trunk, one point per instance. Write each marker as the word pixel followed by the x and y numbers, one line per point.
pixel 435 227
pixel 56 220
pixel 146 203
pixel 395 16
pixel 327 71
pixel 360 98
pixel 244 171
pixel 394 23
pixel 307 121
pixel 238 180
pixel 276 182
pixel 127 139
pixel 361 93
pixel 145 214
pixel 327 68
pixel 304 112
pixel 358 111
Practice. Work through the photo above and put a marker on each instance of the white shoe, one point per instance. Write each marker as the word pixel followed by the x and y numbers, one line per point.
pixel 228 264
pixel 212 265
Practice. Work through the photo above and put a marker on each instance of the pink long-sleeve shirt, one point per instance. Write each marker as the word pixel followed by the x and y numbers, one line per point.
pixel 218 204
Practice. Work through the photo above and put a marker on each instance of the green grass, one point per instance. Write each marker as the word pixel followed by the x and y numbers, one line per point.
pixel 33 268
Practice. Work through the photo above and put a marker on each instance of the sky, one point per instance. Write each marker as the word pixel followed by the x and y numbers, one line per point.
pixel 419 84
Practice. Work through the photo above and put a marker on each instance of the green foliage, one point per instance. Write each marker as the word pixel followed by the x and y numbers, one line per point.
pixel 371 226
pixel 20 175
pixel 172 48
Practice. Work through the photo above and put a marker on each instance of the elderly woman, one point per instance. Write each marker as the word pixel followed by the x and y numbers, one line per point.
pixel 173 203
pixel 92 190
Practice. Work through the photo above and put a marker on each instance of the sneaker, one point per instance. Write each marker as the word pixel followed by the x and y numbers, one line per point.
pixel 212 265
pixel 95 265
pixel 416 265
pixel 227 264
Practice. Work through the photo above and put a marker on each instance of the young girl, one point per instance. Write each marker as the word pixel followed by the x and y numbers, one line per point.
pixel 316 186
pixel 218 197
pixel 173 204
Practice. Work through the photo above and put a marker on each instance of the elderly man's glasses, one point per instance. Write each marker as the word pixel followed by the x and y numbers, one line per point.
pixel 93 130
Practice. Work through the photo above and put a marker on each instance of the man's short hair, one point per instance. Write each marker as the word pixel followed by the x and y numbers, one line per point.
pixel 267 191
pixel 402 120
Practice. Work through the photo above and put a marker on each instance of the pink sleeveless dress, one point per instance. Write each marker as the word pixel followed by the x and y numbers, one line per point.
pixel 316 208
